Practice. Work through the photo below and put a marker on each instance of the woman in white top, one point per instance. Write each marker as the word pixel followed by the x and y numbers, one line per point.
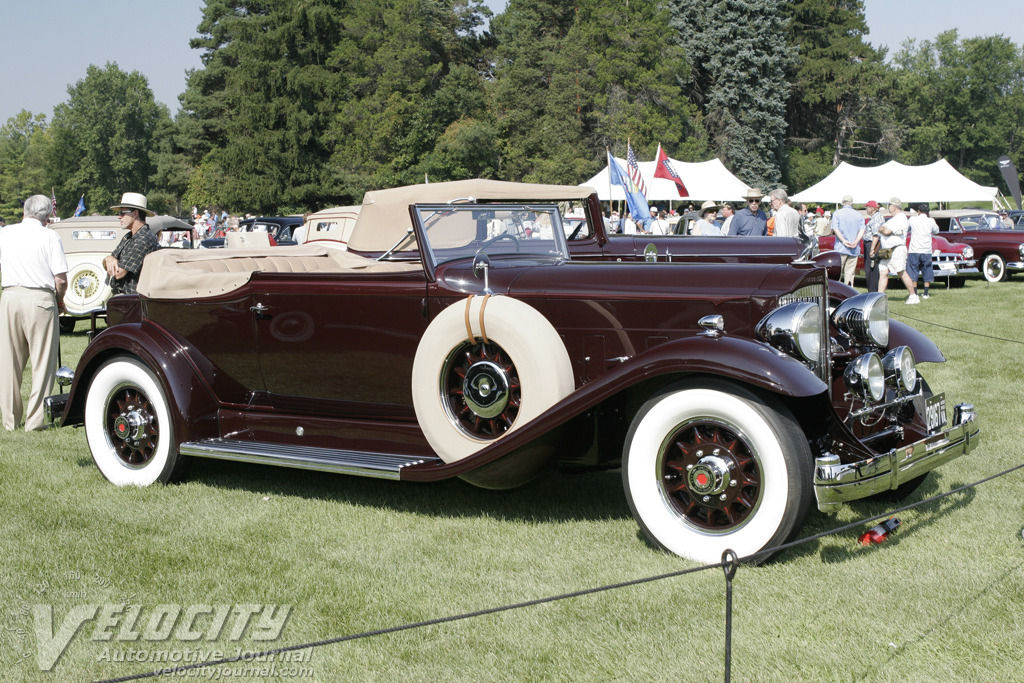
pixel 706 225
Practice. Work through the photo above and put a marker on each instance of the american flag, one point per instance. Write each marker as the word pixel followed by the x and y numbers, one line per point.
pixel 53 199
pixel 634 170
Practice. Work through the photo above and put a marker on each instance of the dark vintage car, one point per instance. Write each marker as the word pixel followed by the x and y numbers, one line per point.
pixel 999 250
pixel 456 338
pixel 950 261
pixel 279 231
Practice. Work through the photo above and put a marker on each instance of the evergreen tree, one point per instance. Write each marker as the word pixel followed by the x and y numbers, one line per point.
pixel 739 54
pixel 102 137
pixel 575 78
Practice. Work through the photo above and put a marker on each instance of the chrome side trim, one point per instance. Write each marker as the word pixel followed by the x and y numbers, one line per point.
pixel 836 483
pixel 377 465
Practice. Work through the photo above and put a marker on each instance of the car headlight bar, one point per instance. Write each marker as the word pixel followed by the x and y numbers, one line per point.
pixel 900 370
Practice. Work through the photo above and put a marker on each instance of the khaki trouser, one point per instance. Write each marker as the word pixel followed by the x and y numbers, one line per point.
pixel 30 333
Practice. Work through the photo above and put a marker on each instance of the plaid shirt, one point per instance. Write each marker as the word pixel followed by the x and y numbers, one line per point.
pixel 877 221
pixel 130 253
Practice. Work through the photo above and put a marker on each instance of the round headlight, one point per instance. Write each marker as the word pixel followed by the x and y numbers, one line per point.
pixel 795 328
pixel 865 318
pixel 866 378
pixel 900 369
pixel 968 251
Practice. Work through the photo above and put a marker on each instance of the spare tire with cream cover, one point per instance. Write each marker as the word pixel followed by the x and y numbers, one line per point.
pixel 483 368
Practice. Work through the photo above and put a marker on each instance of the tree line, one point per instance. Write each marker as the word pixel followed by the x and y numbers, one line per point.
pixel 300 106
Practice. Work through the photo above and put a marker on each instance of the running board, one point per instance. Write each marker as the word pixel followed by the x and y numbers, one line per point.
pixel 378 465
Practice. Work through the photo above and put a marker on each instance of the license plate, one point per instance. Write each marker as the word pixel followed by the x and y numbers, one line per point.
pixel 935 412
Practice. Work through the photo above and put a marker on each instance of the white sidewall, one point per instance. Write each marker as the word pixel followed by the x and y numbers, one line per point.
pixel 986 264
pixel 526 336
pixel 110 376
pixel 645 489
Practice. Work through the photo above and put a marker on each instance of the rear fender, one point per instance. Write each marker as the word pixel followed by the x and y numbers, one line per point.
pixel 740 360
pixel 194 409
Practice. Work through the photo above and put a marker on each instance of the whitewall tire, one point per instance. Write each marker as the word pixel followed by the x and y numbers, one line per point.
pixel 994 268
pixel 711 466
pixel 128 425
pixel 469 394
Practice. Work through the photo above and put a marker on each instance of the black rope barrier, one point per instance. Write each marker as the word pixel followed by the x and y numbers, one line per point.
pixel 956 329
pixel 729 563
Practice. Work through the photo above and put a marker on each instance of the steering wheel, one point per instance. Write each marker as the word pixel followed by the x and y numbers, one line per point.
pixel 503 236
pixel 577 231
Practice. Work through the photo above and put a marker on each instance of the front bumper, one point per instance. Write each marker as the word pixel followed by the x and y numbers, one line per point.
pixel 836 483
pixel 1015 265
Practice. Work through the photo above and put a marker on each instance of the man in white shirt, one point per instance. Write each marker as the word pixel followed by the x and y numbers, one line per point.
pixel 919 253
pixel 34 278
pixel 727 214
pixel 787 220
pixel 893 250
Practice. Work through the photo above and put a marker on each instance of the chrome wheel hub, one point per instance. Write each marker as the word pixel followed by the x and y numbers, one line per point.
pixel 130 426
pixel 710 476
pixel 486 389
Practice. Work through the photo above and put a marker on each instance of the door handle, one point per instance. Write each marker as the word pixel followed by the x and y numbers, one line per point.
pixel 260 310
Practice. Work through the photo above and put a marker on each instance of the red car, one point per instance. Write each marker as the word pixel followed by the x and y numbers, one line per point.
pixel 999 249
pixel 456 338
pixel 949 260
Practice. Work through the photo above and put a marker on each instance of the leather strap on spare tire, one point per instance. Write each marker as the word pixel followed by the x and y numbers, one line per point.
pixel 468 393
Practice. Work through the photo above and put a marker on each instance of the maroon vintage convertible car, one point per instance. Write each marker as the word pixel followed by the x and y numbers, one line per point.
pixel 455 338
pixel 999 250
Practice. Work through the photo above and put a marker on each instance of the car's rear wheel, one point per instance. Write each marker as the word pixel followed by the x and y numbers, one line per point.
pixel 66 324
pixel 709 466
pixel 994 268
pixel 128 425
pixel 468 392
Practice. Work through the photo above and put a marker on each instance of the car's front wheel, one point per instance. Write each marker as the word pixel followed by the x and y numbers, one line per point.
pixel 128 425
pixel 709 466
pixel 994 268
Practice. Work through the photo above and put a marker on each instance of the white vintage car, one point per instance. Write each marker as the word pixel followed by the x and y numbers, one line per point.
pixel 86 240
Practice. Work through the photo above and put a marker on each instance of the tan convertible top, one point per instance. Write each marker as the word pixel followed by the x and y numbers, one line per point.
pixel 201 273
pixel 384 216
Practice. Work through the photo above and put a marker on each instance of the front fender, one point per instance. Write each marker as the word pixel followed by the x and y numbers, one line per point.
pixel 194 406
pixel 740 360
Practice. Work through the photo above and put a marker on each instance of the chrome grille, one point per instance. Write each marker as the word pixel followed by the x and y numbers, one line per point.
pixel 816 294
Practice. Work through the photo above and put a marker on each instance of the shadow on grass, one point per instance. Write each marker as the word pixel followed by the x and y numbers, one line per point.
pixel 553 497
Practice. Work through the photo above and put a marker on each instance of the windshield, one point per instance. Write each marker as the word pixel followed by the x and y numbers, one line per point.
pixel 455 231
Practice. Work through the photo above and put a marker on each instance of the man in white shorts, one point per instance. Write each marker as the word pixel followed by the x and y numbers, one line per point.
pixel 893 250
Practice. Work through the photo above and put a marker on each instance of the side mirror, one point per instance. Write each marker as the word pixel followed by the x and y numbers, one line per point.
pixel 481 266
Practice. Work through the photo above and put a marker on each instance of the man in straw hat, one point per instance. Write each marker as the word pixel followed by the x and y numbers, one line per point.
pixel 750 220
pixel 125 263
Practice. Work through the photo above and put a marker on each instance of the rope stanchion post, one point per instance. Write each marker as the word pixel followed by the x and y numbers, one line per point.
pixel 729 564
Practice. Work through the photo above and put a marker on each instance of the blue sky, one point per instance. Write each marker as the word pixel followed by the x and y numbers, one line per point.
pixel 49 43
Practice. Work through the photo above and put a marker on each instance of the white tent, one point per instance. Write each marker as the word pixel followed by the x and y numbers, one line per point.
pixel 703 180
pixel 938 182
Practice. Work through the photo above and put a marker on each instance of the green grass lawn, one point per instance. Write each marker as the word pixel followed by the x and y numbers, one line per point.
pixel 943 600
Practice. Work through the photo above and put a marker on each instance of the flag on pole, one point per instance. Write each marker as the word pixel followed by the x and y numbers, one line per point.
pixel 634 170
pixel 635 200
pixel 663 169
pixel 81 206
pixel 53 199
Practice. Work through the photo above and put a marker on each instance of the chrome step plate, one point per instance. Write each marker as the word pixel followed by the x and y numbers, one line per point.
pixel 378 465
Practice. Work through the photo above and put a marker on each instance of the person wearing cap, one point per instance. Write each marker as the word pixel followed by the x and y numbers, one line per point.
pixel 660 224
pixel 125 263
pixel 787 220
pixel 1004 218
pixel 893 250
pixel 750 220
pixel 822 226
pixel 919 253
pixel 706 225
pixel 848 227
pixel 875 220
pixel 34 276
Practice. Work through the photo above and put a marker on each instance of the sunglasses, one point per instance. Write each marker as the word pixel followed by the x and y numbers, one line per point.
pixel 753 201
pixel 125 212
